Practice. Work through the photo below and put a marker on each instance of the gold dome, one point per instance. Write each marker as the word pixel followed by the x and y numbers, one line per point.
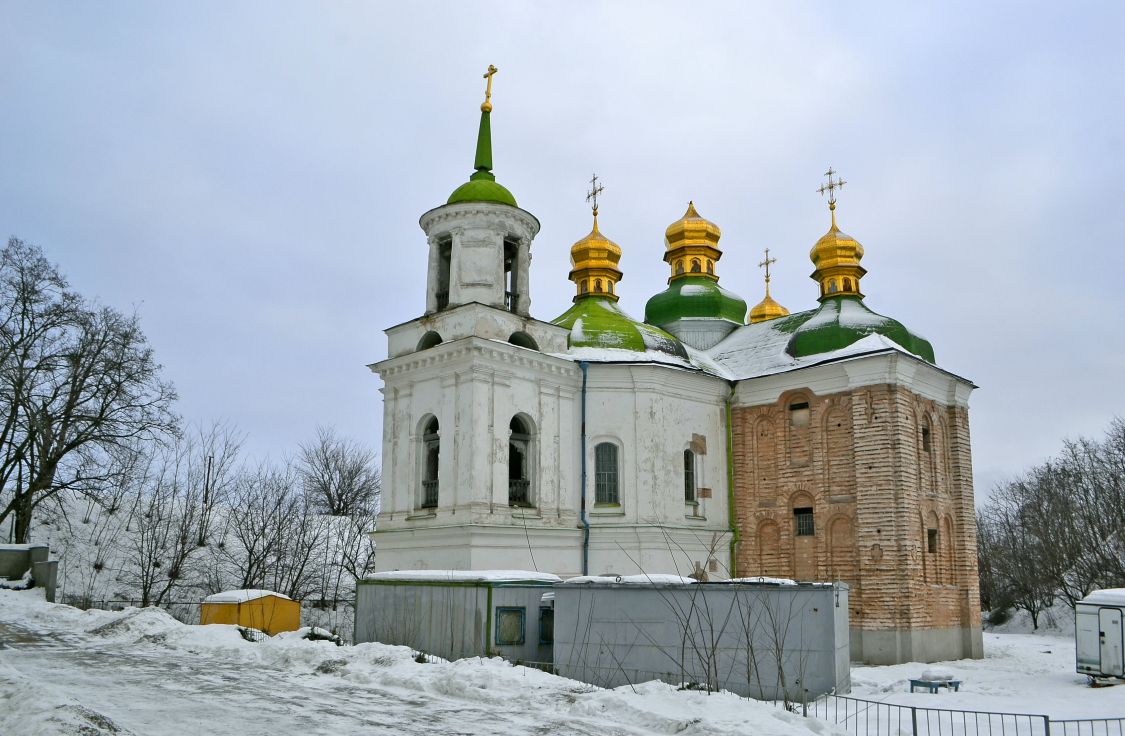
pixel 595 258
pixel 836 257
pixel 767 309
pixel 692 246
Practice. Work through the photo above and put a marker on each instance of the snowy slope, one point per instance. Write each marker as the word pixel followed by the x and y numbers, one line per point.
pixel 65 671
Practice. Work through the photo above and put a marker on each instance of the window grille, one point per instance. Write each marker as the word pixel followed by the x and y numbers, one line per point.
pixel 804 519
pixel 605 474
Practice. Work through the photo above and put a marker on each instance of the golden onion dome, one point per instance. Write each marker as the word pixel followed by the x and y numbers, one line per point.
pixel 836 258
pixel 767 309
pixel 595 258
pixel 691 229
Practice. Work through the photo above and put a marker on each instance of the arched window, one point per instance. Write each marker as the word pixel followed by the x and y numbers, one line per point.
pixel 679 267
pixel 429 340
pixel 431 451
pixel 710 268
pixel 606 476
pixel 519 463
pixel 695 267
pixel 689 476
pixel 609 286
pixel 598 285
pixel 585 286
pixel 847 284
pixel 832 289
pixel 523 340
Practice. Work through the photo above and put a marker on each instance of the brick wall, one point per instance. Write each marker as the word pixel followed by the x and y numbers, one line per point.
pixel 880 467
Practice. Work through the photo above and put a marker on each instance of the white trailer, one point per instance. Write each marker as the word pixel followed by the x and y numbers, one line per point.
pixel 1098 633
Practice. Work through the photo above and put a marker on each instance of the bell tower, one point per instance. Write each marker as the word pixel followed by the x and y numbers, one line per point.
pixel 480 240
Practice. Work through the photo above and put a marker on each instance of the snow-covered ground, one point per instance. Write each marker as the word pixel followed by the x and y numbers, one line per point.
pixel 139 671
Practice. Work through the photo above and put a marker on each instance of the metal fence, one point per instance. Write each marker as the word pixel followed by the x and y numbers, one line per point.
pixel 874 718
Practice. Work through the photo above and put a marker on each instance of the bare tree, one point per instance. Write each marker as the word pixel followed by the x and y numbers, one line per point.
pixel 78 382
pixel 339 475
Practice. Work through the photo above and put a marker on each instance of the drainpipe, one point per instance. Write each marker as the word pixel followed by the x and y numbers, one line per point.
pixel 585 519
pixel 735 533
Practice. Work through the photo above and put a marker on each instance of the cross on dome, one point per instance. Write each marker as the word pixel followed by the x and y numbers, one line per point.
pixel 831 187
pixel 595 190
pixel 486 106
pixel 766 265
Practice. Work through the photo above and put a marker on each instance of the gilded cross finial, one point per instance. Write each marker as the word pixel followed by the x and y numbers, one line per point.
pixel 595 190
pixel 831 187
pixel 766 265
pixel 486 106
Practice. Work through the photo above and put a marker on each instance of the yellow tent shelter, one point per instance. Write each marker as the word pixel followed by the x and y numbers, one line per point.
pixel 258 609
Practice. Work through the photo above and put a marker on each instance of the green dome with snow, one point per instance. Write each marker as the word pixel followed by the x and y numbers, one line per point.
pixel 843 320
pixel 694 297
pixel 596 321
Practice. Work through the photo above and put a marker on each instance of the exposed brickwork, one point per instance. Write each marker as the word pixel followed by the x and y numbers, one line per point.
pixel 881 467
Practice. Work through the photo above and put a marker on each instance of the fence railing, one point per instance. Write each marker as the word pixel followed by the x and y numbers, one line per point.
pixel 1089 727
pixel 875 718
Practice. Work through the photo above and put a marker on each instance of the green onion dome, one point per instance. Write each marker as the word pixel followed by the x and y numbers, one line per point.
pixel 597 322
pixel 694 297
pixel 843 320
pixel 482 185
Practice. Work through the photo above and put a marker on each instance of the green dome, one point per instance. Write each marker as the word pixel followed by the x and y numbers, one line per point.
pixel 482 186
pixel 482 190
pixel 843 320
pixel 596 321
pixel 696 297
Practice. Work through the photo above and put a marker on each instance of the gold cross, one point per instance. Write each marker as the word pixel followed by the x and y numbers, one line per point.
pixel 486 106
pixel 831 187
pixel 595 190
pixel 766 264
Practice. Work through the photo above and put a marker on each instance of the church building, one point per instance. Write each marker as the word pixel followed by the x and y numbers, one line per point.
pixel 705 440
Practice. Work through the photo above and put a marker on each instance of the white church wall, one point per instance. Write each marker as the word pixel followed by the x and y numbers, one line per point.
pixel 839 376
pixel 474 387
pixel 653 414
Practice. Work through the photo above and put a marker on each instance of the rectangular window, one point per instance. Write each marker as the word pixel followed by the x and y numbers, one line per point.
pixel 689 476
pixel 931 541
pixel 605 474
pixel 804 519
pixel 510 626
pixel 799 414
pixel 546 625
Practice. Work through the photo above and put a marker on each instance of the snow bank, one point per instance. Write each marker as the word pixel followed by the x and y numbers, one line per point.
pixel 93 672
pixel 242 596
pixel 1107 597
pixel 467 576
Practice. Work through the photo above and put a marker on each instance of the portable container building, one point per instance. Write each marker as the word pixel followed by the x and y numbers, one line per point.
pixel 1098 633
pixel 766 638
pixel 459 613
pixel 256 609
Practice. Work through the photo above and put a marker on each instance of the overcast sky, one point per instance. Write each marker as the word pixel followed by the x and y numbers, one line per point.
pixel 249 176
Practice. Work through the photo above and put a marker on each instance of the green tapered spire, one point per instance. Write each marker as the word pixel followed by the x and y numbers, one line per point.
pixel 483 164
pixel 482 186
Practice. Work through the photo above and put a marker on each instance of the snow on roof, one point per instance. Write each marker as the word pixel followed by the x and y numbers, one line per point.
pixel 241 596
pixel 467 576
pixel 759 350
pixel 655 579
pixel 764 580
pixel 1107 597
pixel 18 547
